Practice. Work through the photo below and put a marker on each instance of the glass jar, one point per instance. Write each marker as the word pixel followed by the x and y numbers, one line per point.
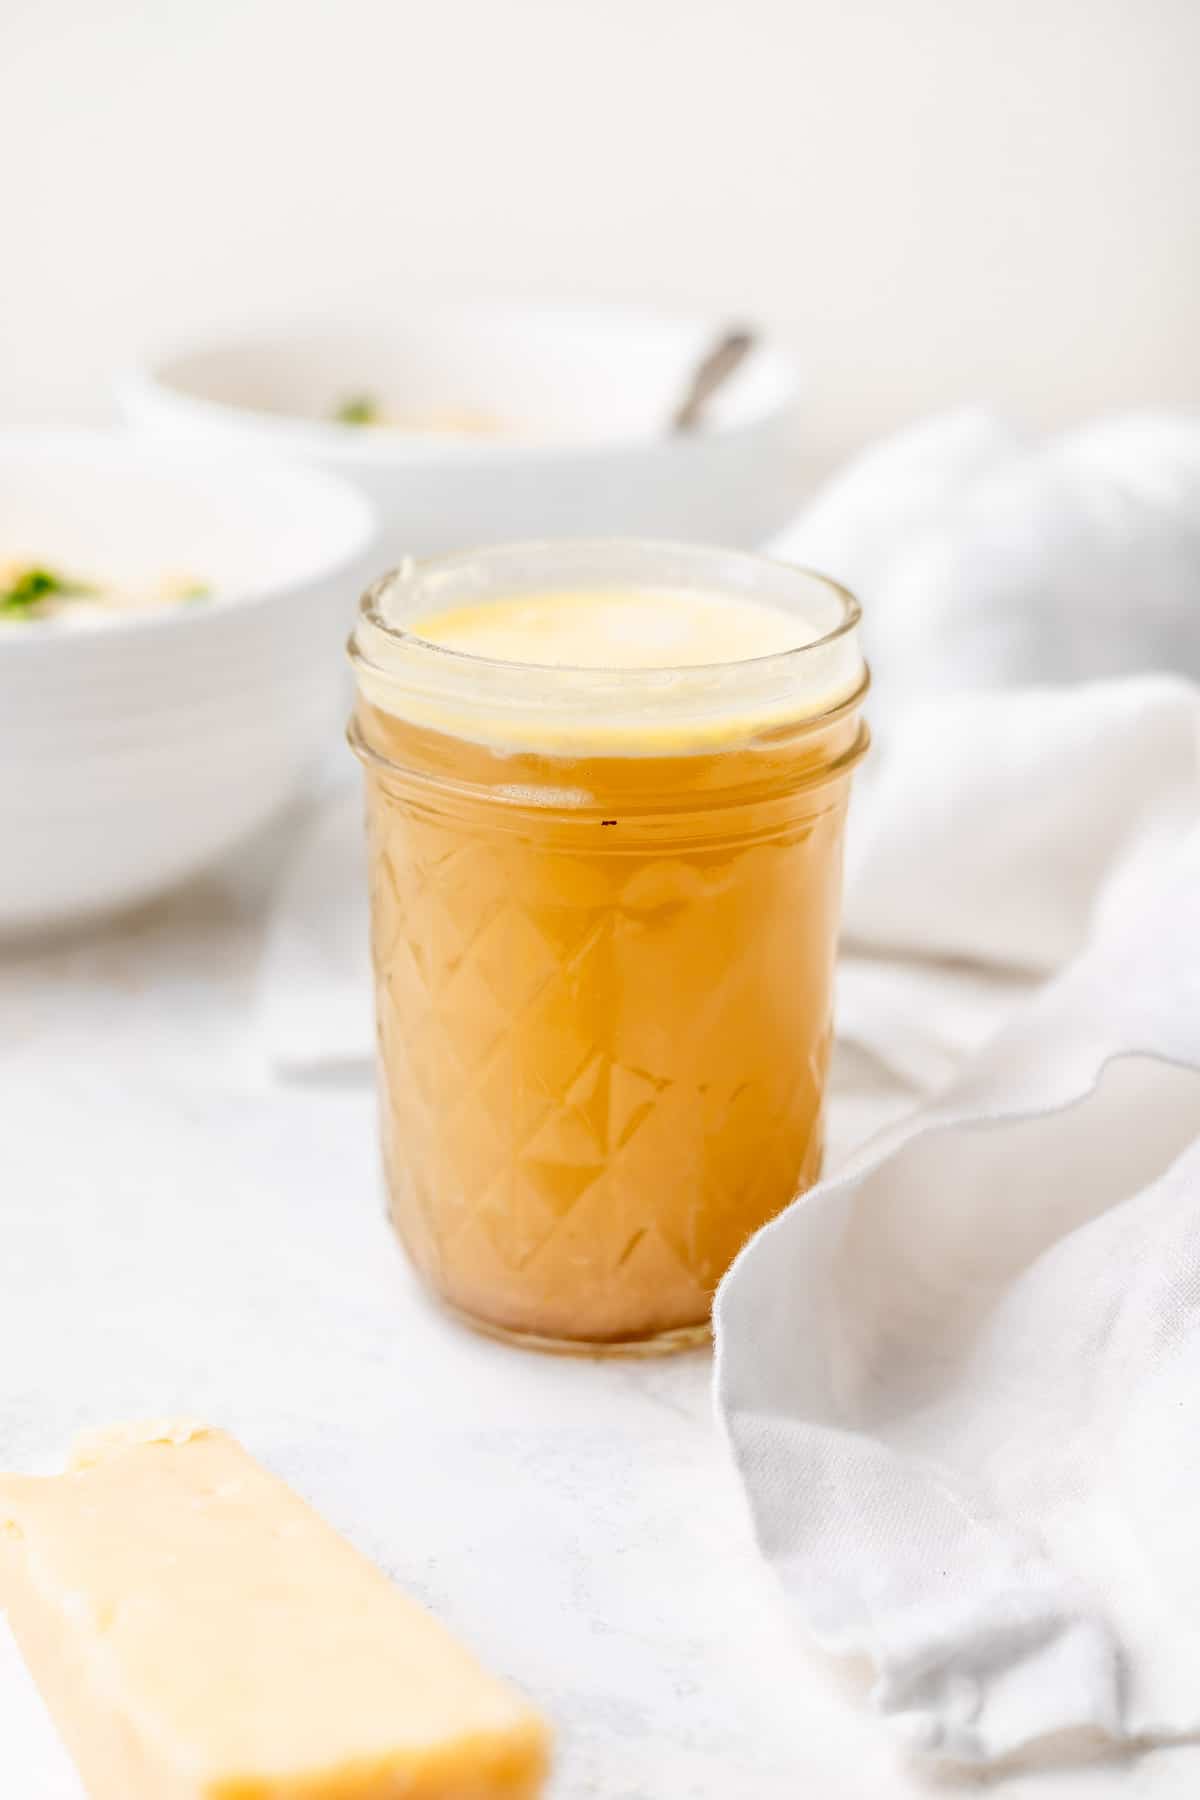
pixel 604 918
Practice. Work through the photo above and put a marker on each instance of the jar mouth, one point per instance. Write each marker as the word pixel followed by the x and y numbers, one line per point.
pixel 421 582
pixel 483 696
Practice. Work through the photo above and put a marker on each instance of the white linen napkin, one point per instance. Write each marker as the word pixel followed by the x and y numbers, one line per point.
pixel 314 1011
pixel 961 1380
pixel 984 561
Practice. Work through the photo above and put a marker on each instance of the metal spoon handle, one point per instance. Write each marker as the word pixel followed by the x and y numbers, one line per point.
pixel 713 371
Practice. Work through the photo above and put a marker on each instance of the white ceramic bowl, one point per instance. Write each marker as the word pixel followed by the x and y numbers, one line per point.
pixel 587 391
pixel 135 751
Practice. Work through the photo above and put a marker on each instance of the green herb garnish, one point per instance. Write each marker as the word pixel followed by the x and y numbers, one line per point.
pixel 358 409
pixel 28 587
pixel 197 591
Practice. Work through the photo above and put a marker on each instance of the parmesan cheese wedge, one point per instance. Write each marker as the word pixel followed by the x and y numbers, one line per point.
pixel 199 1634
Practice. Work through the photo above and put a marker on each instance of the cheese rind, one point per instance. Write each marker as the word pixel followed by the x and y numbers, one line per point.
pixel 198 1633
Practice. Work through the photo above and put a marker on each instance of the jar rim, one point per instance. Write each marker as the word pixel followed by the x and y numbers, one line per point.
pixel 412 570
pixel 407 674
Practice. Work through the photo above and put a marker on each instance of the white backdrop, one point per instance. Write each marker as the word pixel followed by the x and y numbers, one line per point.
pixel 941 201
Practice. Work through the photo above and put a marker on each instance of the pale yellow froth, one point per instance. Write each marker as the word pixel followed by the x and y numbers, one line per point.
pixel 618 628
pixel 607 671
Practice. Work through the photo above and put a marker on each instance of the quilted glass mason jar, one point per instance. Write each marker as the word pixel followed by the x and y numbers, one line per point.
pixel 604 917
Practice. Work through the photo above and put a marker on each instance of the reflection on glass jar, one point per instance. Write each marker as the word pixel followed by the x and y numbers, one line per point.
pixel 606 792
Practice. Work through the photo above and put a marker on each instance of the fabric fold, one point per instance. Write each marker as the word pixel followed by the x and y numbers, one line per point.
pixel 958 1380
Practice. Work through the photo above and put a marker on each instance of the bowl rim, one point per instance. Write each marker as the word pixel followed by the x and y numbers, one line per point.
pixel 68 444
pixel 149 386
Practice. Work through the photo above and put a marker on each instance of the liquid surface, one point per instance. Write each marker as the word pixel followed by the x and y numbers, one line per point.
pixel 618 628
pixel 610 672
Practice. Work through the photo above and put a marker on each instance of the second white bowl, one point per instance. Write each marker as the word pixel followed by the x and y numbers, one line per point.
pixel 585 395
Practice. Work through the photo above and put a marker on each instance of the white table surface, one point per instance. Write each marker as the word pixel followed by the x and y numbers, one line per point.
pixel 182 1235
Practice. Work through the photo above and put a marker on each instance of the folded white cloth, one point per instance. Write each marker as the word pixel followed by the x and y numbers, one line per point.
pixel 958 1378
pixel 988 562
pixel 314 1013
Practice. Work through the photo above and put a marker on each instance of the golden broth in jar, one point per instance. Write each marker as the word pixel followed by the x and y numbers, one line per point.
pixel 606 793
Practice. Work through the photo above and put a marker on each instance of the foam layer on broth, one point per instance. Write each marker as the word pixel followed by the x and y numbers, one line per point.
pixel 705 669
